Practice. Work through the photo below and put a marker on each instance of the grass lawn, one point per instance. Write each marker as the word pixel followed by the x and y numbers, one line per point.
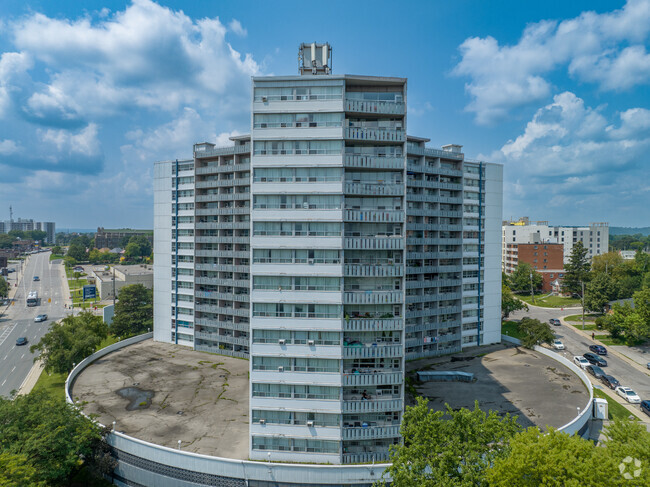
pixel 53 384
pixel 614 409
pixel 511 329
pixel 550 301
pixel 591 317
pixel 588 326
pixel 608 340
pixel 55 256
pixel 77 283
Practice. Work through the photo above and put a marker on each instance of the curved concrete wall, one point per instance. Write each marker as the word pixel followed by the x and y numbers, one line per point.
pixel 579 423
pixel 145 463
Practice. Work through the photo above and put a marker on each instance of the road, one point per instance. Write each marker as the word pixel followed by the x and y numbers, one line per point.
pixel 577 344
pixel 18 320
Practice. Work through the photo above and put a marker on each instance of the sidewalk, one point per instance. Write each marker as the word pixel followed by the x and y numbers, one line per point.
pixel 31 379
pixel 14 285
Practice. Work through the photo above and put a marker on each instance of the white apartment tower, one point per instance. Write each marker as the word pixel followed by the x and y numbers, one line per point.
pixel 327 247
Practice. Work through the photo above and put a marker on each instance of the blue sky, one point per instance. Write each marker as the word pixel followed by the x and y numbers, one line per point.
pixel 93 92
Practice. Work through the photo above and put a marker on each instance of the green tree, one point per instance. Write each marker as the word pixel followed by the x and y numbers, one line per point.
pixel 535 332
pixel 37 235
pixel 4 288
pixel 77 252
pixel 520 278
pixel 606 263
pixel 6 241
pixel 138 247
pixel 16 471
pixel 600 290
pixel 70 341
pixel 133 311
pixel 57 250
pixel 510 303
pixel 51 434
pixel 448 448
pixel 576 271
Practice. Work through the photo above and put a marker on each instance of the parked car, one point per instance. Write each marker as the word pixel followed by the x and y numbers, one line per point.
pixel 580 361
pixel 595 359
pixel 40 318
pixel 628 394
pixel 610 381
pixel 21 341
pixel 10 270
pixel 599 349
pixel 594 370
pixel 554 321
pixel 36 278
pixel 558 345
pixel 645 407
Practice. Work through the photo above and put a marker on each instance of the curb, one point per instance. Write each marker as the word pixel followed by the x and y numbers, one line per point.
pixel 32 378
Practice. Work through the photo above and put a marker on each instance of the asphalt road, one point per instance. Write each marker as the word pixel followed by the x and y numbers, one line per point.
pixel 577 344
pixel 18 320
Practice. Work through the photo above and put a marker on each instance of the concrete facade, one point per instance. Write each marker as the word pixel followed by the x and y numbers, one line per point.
pixel 328 247
pixel 124 275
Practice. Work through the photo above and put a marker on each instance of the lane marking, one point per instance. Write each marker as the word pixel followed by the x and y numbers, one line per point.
pixel 3 382
pixel 22 356
pixel 13 369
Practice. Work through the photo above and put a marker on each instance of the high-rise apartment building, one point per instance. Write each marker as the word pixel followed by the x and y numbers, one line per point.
pixel 327 247
pixel 27 225
pixel 594 237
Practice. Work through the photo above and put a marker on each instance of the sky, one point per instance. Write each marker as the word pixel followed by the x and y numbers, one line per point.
pixel 92 93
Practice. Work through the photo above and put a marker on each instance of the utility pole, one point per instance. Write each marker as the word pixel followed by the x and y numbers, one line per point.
pixel 113 289
pixel 583 304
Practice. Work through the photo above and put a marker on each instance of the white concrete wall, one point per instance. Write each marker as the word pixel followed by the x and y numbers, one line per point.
pixel 492 258
pixel 162 246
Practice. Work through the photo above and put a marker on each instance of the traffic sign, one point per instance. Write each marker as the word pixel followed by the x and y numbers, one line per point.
pixel 89 292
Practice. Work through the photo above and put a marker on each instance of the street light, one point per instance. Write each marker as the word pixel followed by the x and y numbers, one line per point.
pixel 582 283
pixel 532 293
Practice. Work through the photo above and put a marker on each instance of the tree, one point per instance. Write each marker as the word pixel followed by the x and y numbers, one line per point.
pixel 599 291
pixel 39 235
pixel 520 278
pixel 6 241
pixel 606 263
pixel 576 271
pixel 509 303
pixel 51 434
pixel 138 247
pixel 70 341
pixel 77 251
pixel 448 448
pixel 535 332
pixel 15 471
pixel 4 288
pixel 57 250
pixel 133 311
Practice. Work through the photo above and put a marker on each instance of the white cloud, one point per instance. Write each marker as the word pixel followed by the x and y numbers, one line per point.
pixel 236 27
pixel 606 49
pixel 84 142
pixel 570 157
pixel 8 147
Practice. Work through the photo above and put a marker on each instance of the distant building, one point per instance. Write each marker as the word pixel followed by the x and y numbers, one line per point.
pixel 545 258
pixel 27 225
pixel 594 237
pixel 113 238
pixel 125 275
pixel 627 254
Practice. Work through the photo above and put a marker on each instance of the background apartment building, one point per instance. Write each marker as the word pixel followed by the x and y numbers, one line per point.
pixel 328 247
pixel 107 238
pixel 27 225
pixel 594 237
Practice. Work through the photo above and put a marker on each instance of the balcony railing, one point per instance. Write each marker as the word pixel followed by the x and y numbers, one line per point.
pixel 372 405
pixel 373 162
pixel 374 134
pixel 215 337
pixel 370 432
pixel 374 243
pixel 374 216
pixel 370 270
pixel 372 189
pixel 372 324
pixel 376 378
pixel 387 351
pixel 366 457
pixel 220 351
pixel 208 308
pixel 372 297
pixel 215 168
pixel 379 107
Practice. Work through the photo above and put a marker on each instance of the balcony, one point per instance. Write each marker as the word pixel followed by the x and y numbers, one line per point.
pixel 387 351
pixel 220 351
pixel 222 267
pixel 216 337
pixel 220 281
pixel 366 457
pixel 242 254
pixel 373 270
pixel 372 297
pixel 374 134
pixel 229 325
pixel 375 107
pixel 374 189
pixel 209 308
pixel 372 406
pixel 369 161
pixel 370 432
pixel 374 243
pixel 372 324
pixel 242 298
pixel 215 168
pixel 374 216
pixel 376 378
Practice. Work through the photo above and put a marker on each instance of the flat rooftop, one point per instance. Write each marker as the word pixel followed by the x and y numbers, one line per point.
pixel 509 379
pixel 198 398
pixel 174 393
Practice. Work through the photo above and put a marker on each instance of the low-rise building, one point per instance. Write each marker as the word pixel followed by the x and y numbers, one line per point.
pixel 118 237
pixel 109 280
